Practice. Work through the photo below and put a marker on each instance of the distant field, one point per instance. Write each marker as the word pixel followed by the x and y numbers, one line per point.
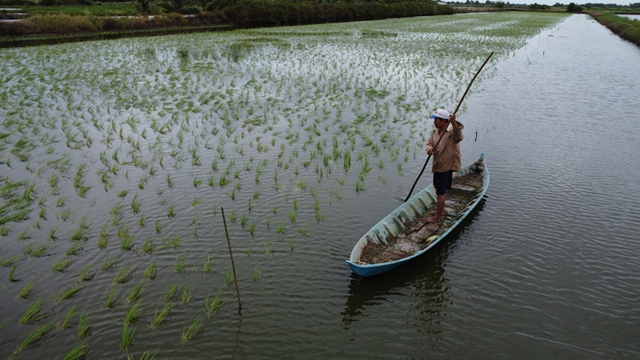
pixel 114 9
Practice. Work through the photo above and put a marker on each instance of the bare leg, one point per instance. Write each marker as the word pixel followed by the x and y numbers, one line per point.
pixel 437 217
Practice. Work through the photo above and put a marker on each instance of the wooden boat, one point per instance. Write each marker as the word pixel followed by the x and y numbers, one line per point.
pixel 404 234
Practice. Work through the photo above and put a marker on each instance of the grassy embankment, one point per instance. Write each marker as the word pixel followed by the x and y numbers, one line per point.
pixel 625 28
pixel 95 24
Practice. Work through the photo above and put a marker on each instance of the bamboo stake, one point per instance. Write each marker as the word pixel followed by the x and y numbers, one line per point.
pixel 233 265
pixel 457 108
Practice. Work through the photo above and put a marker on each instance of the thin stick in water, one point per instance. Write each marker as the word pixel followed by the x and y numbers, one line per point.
pixel 235 278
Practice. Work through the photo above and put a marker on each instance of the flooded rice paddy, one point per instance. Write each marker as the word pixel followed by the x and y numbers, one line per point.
pixel 116 158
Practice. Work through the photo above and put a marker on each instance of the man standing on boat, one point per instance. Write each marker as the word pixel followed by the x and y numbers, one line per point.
pixel 444 145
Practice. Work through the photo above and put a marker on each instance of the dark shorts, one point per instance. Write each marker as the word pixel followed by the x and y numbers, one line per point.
pixel 442 181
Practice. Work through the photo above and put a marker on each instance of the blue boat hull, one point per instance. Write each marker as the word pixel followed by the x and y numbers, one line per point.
pixel 417 206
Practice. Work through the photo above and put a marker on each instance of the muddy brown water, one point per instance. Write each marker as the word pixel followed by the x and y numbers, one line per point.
pixel 547 265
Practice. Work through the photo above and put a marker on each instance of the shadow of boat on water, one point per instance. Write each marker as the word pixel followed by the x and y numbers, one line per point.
pixel 425 275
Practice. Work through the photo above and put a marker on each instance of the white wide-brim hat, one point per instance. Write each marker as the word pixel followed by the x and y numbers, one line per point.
pixel 440 113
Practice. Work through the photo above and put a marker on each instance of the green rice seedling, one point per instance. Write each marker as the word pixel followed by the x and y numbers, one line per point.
pixel 86 276
pixel 316 205
pixel 256 274
pixel 79 352
pixel 172 292
pixel 142 221
pixel 74 248
pixel 109 262
pixel 319 216
pixel 169 181
pixel 135 204
pixel 4 230
pixel 134 314
pixel 102 239
pixel 23 235
pixel 292 215
pixel 359 186
pixel 12 272
pixel 291 245
pixel 127 243
pixel 124 275
pixel 174 242
pixel 196 181
pixel 179 265
pixel 8 261
pixel 267 247
pixel 250 204
pixel 123 193
pixel 223 181
pixel 35 335
pixel 84 327
pixel 252 228
pixel 67 318
pixel 232 195
pixel 67 293
pixel 60 201
pixel 43 213
pixel 61 264
pixel 243 219
pixel 127 336
pixel 161 314
pixel 33 313
pixel 116 209
pixel 212 305
pixel 158 227
pixel 303 230
pixel 136 292
pixel 151 271
pixel 111 301
pixel 148 245
pixel 280 229
pixel 208 263
pixel 171 212
pixel 232 216
pixel 187 294
pixel 228 277
pixel 190 332
pixel 27 290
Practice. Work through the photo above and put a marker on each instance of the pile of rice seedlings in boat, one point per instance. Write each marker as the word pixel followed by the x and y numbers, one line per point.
pixel 116 157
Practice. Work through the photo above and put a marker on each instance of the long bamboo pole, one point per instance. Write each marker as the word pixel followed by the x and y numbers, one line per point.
pixel 457 108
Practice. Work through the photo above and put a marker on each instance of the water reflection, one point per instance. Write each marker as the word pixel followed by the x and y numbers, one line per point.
pixel 425 275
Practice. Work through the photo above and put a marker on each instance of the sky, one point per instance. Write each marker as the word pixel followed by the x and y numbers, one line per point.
pixel 565 2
